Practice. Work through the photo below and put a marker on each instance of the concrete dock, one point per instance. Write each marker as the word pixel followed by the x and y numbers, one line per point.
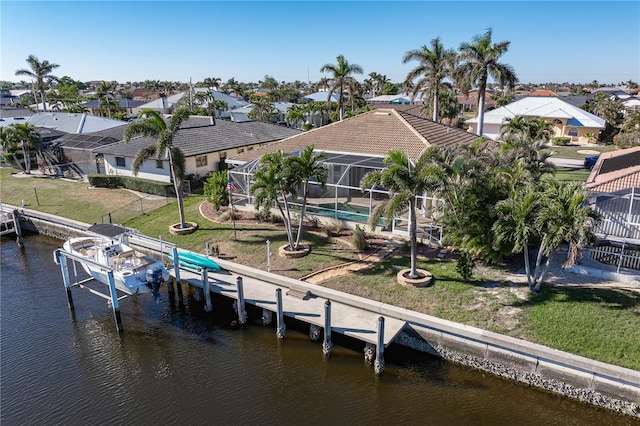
pixel 345 319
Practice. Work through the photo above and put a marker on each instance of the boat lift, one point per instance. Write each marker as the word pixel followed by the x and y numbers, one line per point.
pixel 62 256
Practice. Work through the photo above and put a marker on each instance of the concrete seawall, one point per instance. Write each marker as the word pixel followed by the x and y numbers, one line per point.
pixel 587 380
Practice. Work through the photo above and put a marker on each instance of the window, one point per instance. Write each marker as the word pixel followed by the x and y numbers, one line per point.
pixel 573 131
pixel 201 161
pixel 159 164
pixel 120 162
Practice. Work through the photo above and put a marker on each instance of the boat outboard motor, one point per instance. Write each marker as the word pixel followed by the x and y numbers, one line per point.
pixel 154 278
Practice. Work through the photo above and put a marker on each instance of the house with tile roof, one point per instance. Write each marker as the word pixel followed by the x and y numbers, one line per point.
pixel 567 119
pixel 354 147
pixel 614 192
pixel 204 141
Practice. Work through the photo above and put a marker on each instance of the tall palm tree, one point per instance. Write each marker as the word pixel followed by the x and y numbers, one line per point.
pixel 41 74
pixel 435 64
pixel 339 74
pixel 404 181
pixel 479 61
pixel 156 127
pixel 106 93
pixel 307 166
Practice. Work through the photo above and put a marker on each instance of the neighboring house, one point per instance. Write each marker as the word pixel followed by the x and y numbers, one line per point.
pixel 631 104
pixel 204 141
pixel 73 122
pixel 399 99
pixel 129 105
pixel 614 187
pixel 10 115
pixel 242 114
pixel 542 92
pixel 469 102
pixel 77 150
pixel 322 96
pixel 169 104
pixel 567 119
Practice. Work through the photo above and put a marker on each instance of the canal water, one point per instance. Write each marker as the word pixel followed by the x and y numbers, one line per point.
pixel 179 365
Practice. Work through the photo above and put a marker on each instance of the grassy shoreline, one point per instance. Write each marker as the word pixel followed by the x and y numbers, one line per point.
pixel 598 323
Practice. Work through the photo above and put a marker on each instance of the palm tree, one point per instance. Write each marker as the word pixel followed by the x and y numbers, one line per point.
pixel 307 166
pixel 435 64
pixel 404 182
pixel 41 73
pixel 478 62
pixel 106 93
pixel 262 110
pixel 156 127
pixel 295 116
pixel 24 137
pixel 550 213
pixel 272 183
pixel 340 71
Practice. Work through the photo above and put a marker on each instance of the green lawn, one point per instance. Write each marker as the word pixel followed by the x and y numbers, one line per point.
pixel 602 324
pixel 573 151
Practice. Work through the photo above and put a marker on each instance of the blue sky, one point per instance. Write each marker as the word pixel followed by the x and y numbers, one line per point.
pixel 551 41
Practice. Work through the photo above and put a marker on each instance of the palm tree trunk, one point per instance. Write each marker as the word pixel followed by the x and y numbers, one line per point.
pixel 287 223
pixel 302 211
pixel 44 100
pixel 413 227
pixel 177 185
pixel 436 106
pixel 26 157
pixel 527 265
pixel 480 113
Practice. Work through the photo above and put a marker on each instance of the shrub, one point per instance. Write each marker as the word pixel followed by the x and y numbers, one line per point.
pixel 561 140
pixel 215 189
pixel 135 184
pixel 360 239
pixel 465 265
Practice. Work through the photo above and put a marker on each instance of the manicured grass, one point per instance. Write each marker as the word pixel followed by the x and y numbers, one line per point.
pixel 602 324
pixel 572 175
pixel 599 323
pixel 74 200
pixel 248 244
pixel 571 151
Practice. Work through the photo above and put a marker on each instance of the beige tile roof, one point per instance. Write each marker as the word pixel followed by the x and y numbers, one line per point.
pixel 615 170
pixel 372 133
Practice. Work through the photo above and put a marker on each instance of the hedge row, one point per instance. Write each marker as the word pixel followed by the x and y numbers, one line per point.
pixel 561 140
pixel 147 186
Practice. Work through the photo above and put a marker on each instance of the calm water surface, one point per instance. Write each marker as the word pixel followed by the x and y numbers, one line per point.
pixel 179 365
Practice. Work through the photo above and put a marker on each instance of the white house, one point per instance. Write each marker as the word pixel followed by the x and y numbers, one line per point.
pixel 567 119
pixel 169 104
pixel 204 141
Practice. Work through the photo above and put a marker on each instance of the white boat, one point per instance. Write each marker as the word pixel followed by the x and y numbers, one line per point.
pixel 133 271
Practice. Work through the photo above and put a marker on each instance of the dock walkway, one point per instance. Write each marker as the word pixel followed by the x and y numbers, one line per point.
pixel 349 320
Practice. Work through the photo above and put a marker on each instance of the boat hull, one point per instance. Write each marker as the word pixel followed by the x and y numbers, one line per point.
pixel 133 272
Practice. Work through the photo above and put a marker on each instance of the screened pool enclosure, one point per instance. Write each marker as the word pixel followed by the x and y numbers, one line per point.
pixel 343 201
